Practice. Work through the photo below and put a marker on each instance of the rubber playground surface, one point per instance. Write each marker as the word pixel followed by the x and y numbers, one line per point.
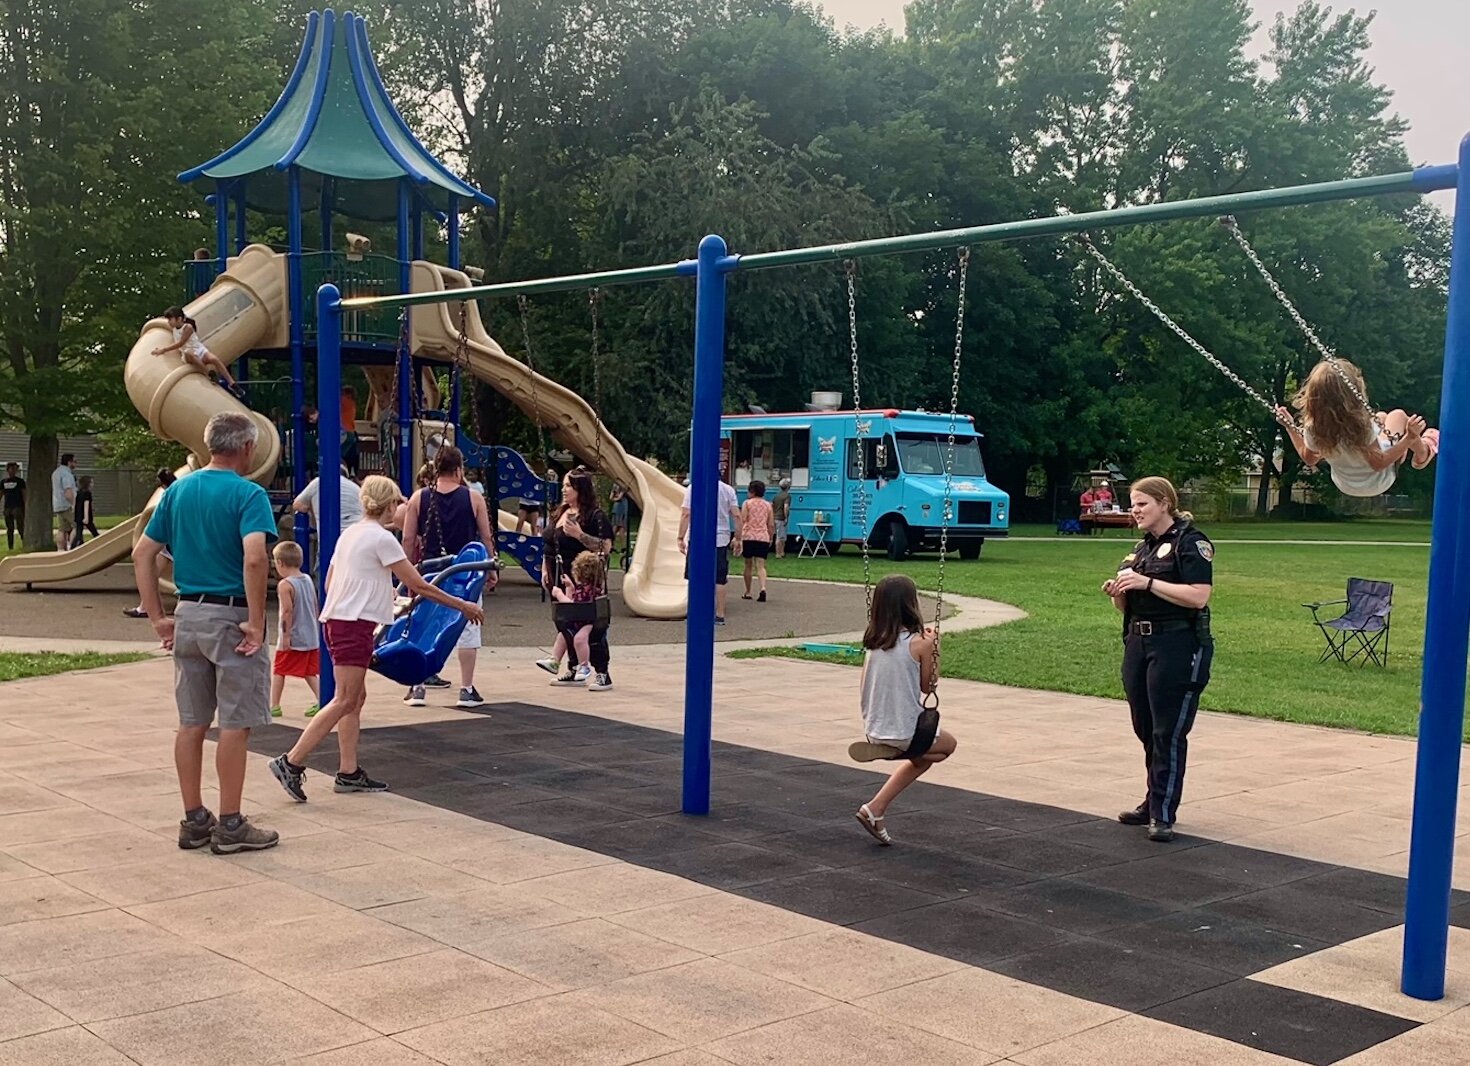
pixel 529 893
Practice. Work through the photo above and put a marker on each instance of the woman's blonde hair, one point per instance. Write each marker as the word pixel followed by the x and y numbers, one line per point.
pixel 1330 412
pixel 1163 490
pixel 380 496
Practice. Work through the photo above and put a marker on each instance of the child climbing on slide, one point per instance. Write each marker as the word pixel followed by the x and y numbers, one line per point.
pixel 187 343
pixel 1364 455
pixel 359 599
pixel 901 667
pixel 583 585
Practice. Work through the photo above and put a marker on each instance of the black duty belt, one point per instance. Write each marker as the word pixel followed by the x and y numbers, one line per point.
pixel 1148 628
pixel 217 601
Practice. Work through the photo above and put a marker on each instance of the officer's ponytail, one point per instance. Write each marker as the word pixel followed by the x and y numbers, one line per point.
pixel 1163 490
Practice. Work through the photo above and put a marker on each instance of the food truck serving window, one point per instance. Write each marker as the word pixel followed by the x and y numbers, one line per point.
pixel 772 454
pixel 926 453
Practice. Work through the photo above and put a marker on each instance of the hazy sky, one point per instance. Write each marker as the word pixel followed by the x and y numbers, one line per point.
pixel 1421 50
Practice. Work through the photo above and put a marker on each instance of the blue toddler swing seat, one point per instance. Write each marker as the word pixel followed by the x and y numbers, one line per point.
pixel 415 646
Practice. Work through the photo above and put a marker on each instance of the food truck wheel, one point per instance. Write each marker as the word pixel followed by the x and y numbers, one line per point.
pixel 898 538
pixel 970 549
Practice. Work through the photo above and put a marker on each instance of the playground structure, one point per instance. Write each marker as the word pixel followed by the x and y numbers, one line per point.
pixel 334 143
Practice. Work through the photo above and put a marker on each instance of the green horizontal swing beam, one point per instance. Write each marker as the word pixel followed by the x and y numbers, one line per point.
pixel 1412 182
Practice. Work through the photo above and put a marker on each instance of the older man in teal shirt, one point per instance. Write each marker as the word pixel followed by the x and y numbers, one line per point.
pixel 216 525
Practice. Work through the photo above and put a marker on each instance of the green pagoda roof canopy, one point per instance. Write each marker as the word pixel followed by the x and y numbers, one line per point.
pixel 335 122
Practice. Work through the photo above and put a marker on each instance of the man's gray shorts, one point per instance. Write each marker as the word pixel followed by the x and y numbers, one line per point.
pixel 210 674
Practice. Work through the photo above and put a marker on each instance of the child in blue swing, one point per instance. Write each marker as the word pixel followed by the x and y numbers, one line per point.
pixel 900 668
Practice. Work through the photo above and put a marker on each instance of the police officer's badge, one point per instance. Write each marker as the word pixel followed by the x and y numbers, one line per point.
pixel 1164 550
pixel 1206 551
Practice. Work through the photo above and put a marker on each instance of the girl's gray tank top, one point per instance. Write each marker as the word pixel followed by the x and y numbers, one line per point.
pixel 304 632
pixel 892 697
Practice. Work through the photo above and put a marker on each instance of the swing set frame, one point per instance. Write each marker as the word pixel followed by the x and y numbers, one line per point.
pixel 1447 638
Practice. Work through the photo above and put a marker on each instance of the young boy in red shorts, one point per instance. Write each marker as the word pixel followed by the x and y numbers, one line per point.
pixel 298 638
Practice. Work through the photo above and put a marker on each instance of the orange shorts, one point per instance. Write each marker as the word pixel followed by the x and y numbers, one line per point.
pixel 292 663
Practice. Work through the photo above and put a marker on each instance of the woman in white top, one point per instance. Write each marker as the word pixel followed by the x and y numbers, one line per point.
pixel 187 343
pixel 359 599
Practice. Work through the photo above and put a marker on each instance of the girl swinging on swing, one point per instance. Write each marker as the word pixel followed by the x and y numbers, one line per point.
pixel 900 669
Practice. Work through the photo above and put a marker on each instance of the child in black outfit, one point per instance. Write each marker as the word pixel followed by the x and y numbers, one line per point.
pixel 82 515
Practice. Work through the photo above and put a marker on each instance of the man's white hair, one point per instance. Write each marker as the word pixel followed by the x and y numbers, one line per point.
pixel 230 433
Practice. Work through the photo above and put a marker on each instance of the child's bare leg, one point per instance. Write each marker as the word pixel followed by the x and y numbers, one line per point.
pixel 278 686
pixel 559 646
pixel 213 361
pixel 583 642
pixel 909 771
pixel 314 683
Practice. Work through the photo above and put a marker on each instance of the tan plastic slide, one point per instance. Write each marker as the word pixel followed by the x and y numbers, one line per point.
pixel 244 309
pixel 654 586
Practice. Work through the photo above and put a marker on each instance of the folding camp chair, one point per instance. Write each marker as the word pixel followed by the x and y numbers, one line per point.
pixel 1362 628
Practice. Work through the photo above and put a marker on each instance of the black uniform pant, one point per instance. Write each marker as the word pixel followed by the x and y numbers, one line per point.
pixel 15 522
pixel 1163 675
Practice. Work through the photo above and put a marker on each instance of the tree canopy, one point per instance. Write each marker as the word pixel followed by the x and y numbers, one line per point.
pixel 616 133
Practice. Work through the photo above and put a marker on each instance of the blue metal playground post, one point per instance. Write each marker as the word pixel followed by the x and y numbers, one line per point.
pixel 221 227
pixel 296 295
pixel 451 226
pixel 704 496
pixel 405 364
pixel 241 236
pixel 329 432
pixel 1447 621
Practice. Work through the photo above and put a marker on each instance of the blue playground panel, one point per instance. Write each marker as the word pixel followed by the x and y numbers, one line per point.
pixel 417 646
pixel 514 479
pixel 525 549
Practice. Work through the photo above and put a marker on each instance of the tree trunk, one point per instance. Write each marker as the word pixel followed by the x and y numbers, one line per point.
pixel 40 462
pixel 1263 491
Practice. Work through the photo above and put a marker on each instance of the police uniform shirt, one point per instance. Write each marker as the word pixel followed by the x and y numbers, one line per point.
pixel 1181 555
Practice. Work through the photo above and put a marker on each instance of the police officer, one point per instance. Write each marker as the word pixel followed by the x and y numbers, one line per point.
pixel 1163 589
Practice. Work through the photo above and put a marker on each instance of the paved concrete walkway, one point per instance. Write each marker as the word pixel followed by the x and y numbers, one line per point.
pixel 391 929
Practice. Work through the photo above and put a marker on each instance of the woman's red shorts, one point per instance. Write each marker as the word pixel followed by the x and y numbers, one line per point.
pixel 350 641
pixel 292 663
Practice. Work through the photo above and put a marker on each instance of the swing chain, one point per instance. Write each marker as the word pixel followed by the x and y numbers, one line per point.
pixel 947 514
pixel 461 368
pixel 850 270
pixel 524 305
pixel 594 301
pixel 1232 227
pixel 1178 330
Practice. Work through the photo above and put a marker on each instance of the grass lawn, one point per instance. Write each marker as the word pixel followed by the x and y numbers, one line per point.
pixel 16 665
pixel 1266 649
pixel 1372 529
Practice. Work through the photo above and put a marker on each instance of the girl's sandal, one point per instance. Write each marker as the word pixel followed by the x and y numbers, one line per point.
pixel 874 826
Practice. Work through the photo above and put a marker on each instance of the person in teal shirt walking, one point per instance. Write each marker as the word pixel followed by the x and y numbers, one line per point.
pixel 217 526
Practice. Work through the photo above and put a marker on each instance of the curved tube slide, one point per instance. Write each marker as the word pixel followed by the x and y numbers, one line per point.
pixel 244 309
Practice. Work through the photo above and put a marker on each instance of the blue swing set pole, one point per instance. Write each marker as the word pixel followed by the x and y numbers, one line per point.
pixel 404 365
pixel 704 497
pixel 329 406
pixel 1447 623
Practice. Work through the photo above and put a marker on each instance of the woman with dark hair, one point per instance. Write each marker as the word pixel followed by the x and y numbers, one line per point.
pixel 443 517
pixel 578 525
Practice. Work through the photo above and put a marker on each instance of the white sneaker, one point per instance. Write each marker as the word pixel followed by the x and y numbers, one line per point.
pixel 583 673
pixel 469 698
pixel 415 697
pixel 551 666
pixel 600 683
pixel 569 676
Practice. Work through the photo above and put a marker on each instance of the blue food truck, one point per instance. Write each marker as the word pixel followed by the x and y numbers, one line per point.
pixel 900 477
